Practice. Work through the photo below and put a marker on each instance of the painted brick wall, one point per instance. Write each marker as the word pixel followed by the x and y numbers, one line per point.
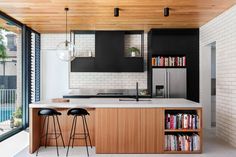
pixel 86 44
pixel 98 80
pixel 222 30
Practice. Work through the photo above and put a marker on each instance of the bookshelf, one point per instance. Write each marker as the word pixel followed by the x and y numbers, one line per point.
pixel 174 135
pixel 169 61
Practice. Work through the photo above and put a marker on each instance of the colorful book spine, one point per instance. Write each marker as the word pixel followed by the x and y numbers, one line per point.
pixel 182 121
pixel 182 142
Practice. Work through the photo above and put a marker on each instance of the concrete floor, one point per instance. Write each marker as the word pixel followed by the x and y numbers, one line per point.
pixel 213 147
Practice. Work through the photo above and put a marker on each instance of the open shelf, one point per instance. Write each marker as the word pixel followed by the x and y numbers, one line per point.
pixel 169 67
pixel 182 152
pixel 172 135
pixel 165 61
pixel 182 130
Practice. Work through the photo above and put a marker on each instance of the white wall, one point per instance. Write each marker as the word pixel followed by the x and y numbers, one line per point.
pixel 222 30
pixel 205 84
pixel 55 78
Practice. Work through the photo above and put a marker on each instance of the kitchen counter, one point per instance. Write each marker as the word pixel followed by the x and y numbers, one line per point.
pixel 116 103
pixel 118 127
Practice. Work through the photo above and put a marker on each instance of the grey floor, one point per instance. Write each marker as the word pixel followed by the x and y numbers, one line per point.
pixel 213 147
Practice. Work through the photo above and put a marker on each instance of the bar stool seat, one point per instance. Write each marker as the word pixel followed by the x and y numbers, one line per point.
pixel 77 112
pixel 47 113
pixel 81 113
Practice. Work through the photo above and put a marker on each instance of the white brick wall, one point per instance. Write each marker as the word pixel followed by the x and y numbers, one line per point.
pixel 132 40
pixel 222 30
pixel 86 44
pixel 98 80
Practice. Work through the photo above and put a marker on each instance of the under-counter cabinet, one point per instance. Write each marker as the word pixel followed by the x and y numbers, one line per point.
pixel 106 130
pixel 138 130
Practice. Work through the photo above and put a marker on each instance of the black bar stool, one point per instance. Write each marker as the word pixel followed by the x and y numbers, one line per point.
pixel 47 113
pixel 82 113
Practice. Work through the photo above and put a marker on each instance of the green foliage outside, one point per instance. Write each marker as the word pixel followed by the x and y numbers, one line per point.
pixel 3 50
pixel 18 113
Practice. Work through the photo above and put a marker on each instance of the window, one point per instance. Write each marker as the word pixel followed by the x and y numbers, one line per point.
pixel 10 77
pixel 19 74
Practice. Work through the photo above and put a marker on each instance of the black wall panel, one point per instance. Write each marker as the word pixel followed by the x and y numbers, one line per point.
pixel 178 42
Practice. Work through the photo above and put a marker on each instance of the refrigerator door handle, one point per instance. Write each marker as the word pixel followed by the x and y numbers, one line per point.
pixel 168 77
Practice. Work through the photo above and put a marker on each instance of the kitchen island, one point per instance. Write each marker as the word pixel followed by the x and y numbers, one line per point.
pixel 121 125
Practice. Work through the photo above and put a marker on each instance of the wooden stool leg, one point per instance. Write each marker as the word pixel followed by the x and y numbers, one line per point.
pixel 45 144
pixel 85 136
pixel 55 134
pixel 88 132
pixel 60 131
pixel 73 137
pixel 72 127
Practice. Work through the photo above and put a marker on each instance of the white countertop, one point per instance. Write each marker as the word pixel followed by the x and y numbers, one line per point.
pixel 115 103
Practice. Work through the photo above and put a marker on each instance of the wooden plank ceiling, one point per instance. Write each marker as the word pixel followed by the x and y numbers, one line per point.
pixel 48 16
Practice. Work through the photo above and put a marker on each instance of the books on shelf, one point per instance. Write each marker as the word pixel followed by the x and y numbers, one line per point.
pixel 182 121
pixel 181 142
pixel 163 61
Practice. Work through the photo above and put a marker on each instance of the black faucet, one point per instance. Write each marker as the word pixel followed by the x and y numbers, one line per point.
pixel 137 98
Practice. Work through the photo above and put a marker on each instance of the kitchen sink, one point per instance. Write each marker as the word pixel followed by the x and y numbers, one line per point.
pixel 133 99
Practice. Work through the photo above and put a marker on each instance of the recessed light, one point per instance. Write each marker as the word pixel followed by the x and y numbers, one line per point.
pixel 166 11
pixel 116 12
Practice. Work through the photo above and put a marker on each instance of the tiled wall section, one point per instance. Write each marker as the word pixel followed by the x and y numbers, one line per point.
pixel 99 80
pixel 86 44
pixel 132 40
pixel 222 29
pixel 112 80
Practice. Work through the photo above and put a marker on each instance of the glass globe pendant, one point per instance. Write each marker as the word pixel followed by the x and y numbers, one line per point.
pixel 66 49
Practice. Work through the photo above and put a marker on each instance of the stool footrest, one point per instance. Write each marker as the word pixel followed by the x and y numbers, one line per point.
pixel 79 134
pixel 52 134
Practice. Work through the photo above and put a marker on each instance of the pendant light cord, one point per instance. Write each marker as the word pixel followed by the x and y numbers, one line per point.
pixel 66 9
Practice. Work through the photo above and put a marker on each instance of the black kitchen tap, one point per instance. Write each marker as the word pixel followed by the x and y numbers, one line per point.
pixel 137 97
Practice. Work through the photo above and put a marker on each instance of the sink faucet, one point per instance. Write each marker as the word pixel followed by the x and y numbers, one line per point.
pixel 137 98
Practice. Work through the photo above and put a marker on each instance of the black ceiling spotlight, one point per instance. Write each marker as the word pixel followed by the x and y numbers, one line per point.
pixel 116 12
pixel 166 11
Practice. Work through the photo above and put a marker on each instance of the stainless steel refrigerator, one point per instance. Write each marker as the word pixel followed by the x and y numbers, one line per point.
pixel 169 83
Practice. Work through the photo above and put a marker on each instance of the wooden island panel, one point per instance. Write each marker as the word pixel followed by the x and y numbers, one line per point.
pixel 152 126
pixel 106 131
pixel 129 131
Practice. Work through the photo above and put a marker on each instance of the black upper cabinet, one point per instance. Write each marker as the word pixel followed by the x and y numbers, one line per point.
pixel 109 55
pixel 109 49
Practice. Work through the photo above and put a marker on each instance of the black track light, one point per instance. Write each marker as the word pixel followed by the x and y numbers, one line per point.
pixel 116 12
pixel 166 11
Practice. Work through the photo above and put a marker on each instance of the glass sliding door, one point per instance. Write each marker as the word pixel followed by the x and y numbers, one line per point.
pixel 10 77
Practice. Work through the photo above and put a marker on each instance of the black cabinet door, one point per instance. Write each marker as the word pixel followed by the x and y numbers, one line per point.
pixel 83 64
pixel 109 50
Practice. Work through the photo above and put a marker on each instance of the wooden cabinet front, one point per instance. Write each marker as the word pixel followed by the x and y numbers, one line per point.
pixel 132 130
pixel 106 131
pixel 129 131
pixel 152 127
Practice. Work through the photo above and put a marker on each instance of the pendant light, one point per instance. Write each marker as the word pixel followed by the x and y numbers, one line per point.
pixel 66 49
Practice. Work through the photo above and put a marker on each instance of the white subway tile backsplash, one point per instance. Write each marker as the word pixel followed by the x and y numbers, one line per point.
pixel 85 43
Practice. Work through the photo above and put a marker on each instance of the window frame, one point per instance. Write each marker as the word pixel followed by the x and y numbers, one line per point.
pixel 26 77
